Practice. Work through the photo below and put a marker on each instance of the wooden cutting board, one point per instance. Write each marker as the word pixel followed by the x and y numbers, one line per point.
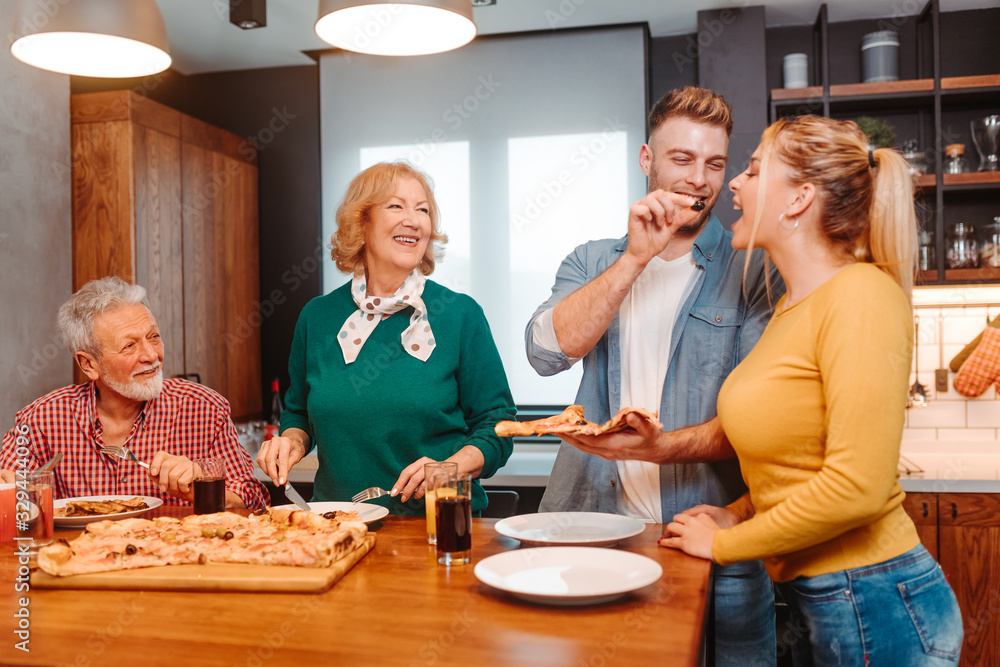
pixel 214 577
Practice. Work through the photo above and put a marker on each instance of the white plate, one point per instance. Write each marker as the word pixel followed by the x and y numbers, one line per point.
pixel 368 513
pixel 593 529
pixel 568 575
pixel 79 521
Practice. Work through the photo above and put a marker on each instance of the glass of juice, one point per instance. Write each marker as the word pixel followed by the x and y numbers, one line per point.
pixel 454 520
pixel 33 508
pixel 209 485
pixel 439 470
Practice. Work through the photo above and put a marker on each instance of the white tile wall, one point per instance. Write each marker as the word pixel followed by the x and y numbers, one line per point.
pixel 943 332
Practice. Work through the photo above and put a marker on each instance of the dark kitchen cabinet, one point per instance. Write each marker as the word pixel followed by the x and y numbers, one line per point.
pixel 170 202
pixel 965 529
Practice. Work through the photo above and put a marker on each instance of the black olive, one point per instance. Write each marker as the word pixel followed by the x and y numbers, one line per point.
pixel 698 205
pixel 228 535
pixel 130 549
pixel 330 515
pixel 261 512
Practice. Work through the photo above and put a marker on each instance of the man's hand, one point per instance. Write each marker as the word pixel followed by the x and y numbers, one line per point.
pixel 7 476
pixel 644 442
pixel 652 221
pixel 173 474
pixel 641 442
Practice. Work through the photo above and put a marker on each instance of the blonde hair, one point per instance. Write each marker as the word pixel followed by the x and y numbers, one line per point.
pixel 866 210
pixel 373 187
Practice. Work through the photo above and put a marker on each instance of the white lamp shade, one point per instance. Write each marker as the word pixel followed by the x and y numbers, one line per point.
pixel 103 38
pixel 401 28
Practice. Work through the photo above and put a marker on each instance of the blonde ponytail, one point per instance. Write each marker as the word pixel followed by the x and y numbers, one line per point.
pixel 893 229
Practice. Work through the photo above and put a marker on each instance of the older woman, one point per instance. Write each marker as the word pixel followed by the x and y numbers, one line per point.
pixel 391 371
pixel 815 411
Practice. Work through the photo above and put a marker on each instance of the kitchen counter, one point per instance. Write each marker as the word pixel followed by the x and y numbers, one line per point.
pixel 531 464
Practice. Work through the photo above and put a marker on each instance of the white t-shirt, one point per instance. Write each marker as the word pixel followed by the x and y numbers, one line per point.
pixel 646 318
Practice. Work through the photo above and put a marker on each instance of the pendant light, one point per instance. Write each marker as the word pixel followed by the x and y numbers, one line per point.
pixel 399 28
pixel 102 38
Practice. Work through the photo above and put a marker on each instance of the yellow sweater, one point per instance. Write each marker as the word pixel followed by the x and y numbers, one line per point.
pixel 815 414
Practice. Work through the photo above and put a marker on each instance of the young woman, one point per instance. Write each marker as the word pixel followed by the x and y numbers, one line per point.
pixel 815 411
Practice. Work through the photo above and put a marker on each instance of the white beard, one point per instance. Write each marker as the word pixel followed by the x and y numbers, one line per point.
pixel 137 390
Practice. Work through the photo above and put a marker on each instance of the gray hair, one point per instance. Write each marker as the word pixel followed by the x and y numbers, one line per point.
pixel 76 316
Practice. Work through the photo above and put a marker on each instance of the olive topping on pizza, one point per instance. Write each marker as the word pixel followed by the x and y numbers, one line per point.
pixel 572 422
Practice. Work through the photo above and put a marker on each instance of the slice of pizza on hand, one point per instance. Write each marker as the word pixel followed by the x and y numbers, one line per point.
pixel 572 422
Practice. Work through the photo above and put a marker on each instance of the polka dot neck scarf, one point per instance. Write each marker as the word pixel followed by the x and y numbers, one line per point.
pixel 417 339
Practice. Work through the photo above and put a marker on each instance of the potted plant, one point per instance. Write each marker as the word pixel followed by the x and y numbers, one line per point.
pixel 879 132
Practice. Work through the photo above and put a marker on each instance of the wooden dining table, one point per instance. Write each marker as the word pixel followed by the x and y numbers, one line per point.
pixel 397 606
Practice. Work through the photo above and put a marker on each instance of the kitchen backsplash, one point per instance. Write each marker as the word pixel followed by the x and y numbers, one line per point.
pixel 943 333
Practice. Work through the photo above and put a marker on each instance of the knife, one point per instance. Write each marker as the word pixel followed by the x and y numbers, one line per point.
pixel 52 463
pixel 294 496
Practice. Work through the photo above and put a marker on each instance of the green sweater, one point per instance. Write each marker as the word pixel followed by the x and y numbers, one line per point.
pixel 372 418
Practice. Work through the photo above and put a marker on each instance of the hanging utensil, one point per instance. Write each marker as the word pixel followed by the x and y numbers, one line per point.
pixel 918 392
pixel 941 374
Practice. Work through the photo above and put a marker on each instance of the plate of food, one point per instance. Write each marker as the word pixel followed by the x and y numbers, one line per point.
pixel 593 529
pixel 568 576
pixel 366 513
pixel 77 512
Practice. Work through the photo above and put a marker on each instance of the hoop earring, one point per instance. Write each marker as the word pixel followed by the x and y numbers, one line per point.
pixel 785 227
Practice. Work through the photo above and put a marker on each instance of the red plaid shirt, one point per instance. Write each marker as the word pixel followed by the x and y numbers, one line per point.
pixel 186 419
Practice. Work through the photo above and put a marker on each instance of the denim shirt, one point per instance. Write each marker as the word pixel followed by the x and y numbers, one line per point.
pixel 715 329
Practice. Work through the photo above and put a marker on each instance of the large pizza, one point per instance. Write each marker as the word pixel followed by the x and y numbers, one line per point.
pixel 572 422
pixel 268 537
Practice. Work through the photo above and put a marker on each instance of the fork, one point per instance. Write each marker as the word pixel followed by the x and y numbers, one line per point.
pixel 368 494
pixel 121 452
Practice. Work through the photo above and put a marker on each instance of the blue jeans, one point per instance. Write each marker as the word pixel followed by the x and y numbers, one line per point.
pixel 899 612
pixel 743 616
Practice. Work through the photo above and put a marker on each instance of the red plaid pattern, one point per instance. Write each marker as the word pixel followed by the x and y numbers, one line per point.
pixel 186 419
pixel 982 368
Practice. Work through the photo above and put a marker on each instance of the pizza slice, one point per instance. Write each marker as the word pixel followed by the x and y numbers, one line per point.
pixel 271 537
pixel 572 422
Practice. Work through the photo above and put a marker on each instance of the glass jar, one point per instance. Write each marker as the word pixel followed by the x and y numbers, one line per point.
pixel 926 254
pixel 962 252
pixel 918 167
pixel 955 162
pixel 989 244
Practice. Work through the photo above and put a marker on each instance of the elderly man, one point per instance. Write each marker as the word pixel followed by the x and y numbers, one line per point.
pixel 113 336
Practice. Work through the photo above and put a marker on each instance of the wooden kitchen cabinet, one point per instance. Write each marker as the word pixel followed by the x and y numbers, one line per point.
pixel 923 509
pixel 964 529
pixel 169 202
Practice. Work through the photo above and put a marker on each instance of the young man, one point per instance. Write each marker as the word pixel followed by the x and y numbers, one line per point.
pixel 660 317
pixel 114 338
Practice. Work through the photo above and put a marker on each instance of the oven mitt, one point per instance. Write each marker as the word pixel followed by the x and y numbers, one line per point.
pixel 960 358
pixel 982 368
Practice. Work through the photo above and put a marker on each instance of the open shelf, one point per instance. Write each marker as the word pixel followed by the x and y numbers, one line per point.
pixel 964 82
pixel 988 273
pixel 884 88
pixel 783 94
pixel 972 178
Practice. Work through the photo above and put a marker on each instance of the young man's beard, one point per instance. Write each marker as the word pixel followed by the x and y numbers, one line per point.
pixel 693 227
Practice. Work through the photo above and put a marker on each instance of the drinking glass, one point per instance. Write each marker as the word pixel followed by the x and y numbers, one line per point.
pixel 33 509
pixel 209 485
pixel 435 474
pixel 454 520
pixel 986 136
